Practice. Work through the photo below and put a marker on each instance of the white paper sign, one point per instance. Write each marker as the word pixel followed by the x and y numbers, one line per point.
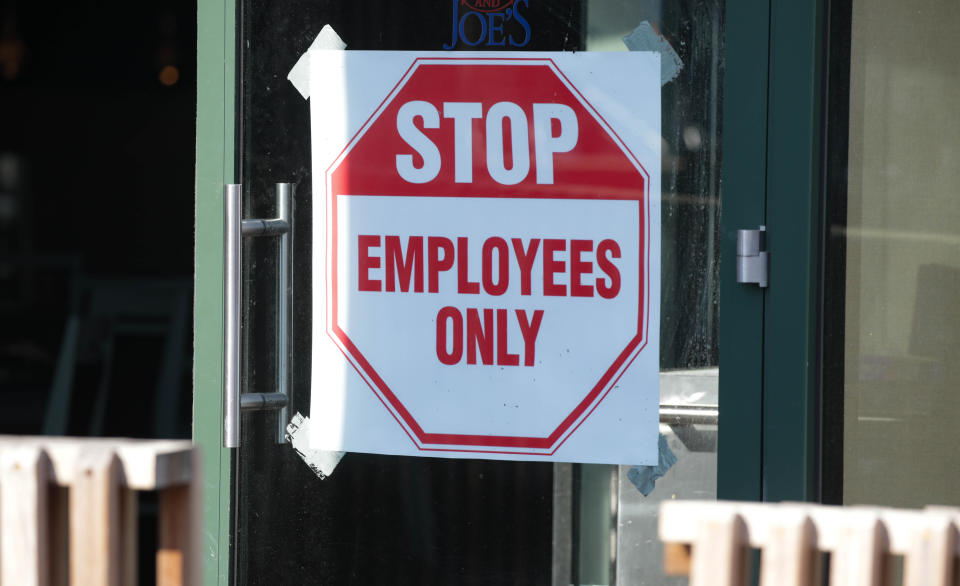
pixel 486 254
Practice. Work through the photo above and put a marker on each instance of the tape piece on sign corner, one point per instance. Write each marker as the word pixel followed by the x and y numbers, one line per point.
pixel 321 462
pixel 645 38
pixel 645 477
pixel 299 76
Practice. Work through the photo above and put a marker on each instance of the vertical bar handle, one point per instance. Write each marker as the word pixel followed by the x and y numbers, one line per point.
pixel 231 316
pixel 285 215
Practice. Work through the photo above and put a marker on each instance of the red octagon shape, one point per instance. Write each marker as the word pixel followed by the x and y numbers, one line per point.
pixel 600 167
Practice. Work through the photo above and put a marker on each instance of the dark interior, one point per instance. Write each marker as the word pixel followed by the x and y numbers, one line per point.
pixel 97 135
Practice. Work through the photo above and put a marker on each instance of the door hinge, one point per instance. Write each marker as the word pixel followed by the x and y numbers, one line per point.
pixel 753 260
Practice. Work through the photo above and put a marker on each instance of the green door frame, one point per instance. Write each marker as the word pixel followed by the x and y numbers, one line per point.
pixel 744 155
pixel 794 130
pixel 768 436
pixel 216 80
pixel 768 339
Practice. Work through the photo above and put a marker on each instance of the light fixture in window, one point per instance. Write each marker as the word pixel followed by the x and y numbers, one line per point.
pixel 169 75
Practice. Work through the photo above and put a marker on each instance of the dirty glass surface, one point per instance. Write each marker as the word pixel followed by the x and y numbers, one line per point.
pixel 388 519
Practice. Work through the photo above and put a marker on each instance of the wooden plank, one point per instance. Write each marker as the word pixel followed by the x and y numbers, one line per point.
pixel 24 556
pixel 676 559
pixel 181 508
pixel 861 546
pixel 953 513
pixel 678 519
pixel 128 537
pixel 719 551
pixel 790 555
pixel 826 518
pixel 174 525
pixel 95 520
pixel 146 464
pixel 930 561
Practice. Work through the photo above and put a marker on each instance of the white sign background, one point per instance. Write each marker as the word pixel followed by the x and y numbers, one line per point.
pixel 348 415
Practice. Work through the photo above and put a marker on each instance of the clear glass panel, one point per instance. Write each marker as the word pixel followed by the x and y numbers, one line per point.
pixel 690 282
pixel 386 519
pixel 902 263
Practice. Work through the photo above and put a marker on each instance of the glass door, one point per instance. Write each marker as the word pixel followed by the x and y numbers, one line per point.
pixel 388 519
pixel 380 519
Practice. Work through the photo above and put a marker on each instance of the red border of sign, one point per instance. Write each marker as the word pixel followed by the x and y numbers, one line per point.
pixel 456 442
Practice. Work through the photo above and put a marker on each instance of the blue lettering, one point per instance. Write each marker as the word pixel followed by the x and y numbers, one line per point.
pixel 453 41
pixel 483 28
pixel 496 27
pixel 491 26
pixel 522 22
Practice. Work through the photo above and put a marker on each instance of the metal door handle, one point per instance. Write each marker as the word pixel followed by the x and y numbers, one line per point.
pixel 231 317
pixel 689 414
pixel 234 230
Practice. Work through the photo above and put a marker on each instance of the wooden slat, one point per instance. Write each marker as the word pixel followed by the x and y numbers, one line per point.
pixel 178 562
pixel 930 561
pixel 789 557
pixel 173 529
pixel 24 535
pixel 719 552
pixel 95 520
pixel 676 559
pixel 858 557
pixel 128 537
pixel 146 464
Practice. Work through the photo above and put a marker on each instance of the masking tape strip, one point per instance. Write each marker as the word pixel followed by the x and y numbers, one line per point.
pixel 645 38
pixel 299 76
pixel 321 462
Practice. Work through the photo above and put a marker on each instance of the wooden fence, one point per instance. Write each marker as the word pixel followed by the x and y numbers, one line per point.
pixel 68 510
pixel 711 541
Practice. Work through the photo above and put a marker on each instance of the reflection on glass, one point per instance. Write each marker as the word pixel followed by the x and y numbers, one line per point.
pixel 903 257
pixel 689 288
